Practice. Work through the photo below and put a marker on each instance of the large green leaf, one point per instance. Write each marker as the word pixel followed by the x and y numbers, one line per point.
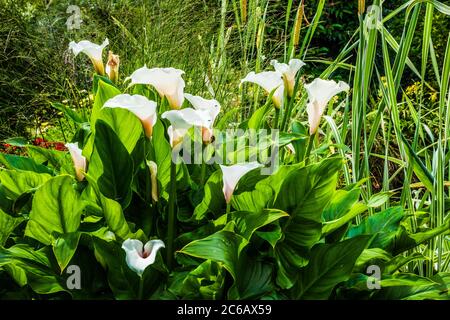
pixel 248 222
pixel 405 279
pixel 19 182
pixel 372 256
pixel 272 234
pixel 254 278
pixel 413 287
pixel 111 165
pixel 125 124
pixel 204 282
pixel 383 225
pixel 112 211
pixel 223 246
pixel 115 218
pixel 64 248
pixel 355 210
pixel 256 121
pixel 104 92
pixel 242 149
pixel 405 240
pixel 34 267
pixel 7 226
pixel 330 264
pixel 299 145
pixel 213 199
pixel 306 192
pixel 400 260
pixel 292 251
pixel 12 161
pixel 58 160
pixel 254 199
pixel 340 204
pixel 303 194
pixel 56 210
pixel 162 157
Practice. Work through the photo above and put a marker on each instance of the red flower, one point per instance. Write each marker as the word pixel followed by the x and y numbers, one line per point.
pixel 59 146
pixel 39 141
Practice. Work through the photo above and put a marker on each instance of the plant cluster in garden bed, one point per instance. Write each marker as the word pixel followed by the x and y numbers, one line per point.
pixel 16 146
pixel 138 225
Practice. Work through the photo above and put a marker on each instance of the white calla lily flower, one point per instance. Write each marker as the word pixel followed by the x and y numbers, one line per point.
pixel 138 256
pixel 181 121
pixel 79 161
pixel 143 108
pixel 210 109
pixel 232 175
pixel 289 72
pixel 319 93
pixel 167 81
pixel 269 81
pixel 92 50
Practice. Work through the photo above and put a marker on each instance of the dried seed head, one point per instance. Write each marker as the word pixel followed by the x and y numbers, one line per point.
pixel 361 7
pixel 112 66
pixel 298 23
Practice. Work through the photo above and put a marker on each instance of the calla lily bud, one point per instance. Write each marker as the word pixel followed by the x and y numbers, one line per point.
pixel 112 67
pixel 93 51
pixel 143 108
pixel 209 109
pixel 320 93
pixel 291 148
pixel 167 81
pixel 79 161
pixel 232 175
pixel 138 256
pixel 289 72
pixel 269 81
pixel 154 179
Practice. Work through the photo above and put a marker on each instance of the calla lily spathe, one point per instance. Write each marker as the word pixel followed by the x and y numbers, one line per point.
pixel 92 50
pixel 153 167
pixel 181 121
pixel 289 72
pixel 210 110
pixel 138 256
pixel 319 93
pixel 143 108
pixel 232 174
pixel 269 81
pixel 167 81
pixel 79 161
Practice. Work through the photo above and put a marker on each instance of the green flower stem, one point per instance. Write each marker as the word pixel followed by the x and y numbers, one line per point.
pixel 290 105
pixel 276 119
pixel 203 173
pixel 171 220
pixel 147 181
pixel 285 117
pixel 141 288
pixel 228 210
pixel 151 204
pixel 286 108
pixel 309 148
